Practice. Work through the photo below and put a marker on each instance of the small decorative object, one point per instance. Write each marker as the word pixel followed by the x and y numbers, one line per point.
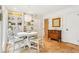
pixel 29 23
pixel 32 20
pixel 19 18
pixel 31 28
pixel 56 22
pixel 12 18
pixel 8 18
pixel 12 23
pixel 19 23
pixel 10 27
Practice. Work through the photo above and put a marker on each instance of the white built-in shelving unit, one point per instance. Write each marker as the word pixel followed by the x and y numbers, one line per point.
pixel 17 24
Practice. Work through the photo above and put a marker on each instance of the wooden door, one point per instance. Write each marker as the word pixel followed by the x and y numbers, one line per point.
pixel 46 29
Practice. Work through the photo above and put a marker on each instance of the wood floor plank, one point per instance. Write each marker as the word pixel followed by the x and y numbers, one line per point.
pixel 56 47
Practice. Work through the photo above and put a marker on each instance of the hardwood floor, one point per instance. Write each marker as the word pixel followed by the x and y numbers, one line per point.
pixel 52 46
pixel 55 47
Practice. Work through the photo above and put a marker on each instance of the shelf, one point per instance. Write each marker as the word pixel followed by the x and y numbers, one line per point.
pixel 34 41
pixel 19 41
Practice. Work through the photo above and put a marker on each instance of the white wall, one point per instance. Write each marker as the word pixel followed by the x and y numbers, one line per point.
pixel 70 21
pixel 5 27
pixel 0 36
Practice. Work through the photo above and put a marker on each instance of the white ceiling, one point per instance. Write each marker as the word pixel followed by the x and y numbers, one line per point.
pixel 37 9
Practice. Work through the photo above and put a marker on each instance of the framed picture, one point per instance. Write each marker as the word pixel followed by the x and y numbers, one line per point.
pixel 56 22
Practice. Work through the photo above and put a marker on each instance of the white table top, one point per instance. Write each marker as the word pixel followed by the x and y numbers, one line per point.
pixel 26 33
